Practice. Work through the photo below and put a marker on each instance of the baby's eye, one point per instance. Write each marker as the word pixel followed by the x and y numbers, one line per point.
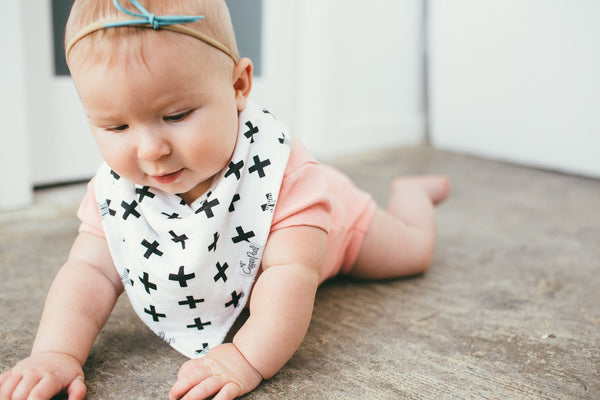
pixel 119 128
pixel 177 117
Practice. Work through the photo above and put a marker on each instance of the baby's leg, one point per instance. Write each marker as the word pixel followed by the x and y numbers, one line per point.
pixel 400 239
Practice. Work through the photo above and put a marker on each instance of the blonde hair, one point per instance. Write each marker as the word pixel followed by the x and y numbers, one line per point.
pixel 216 24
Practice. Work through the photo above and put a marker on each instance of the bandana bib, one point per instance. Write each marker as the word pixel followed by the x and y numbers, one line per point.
pixel 188 269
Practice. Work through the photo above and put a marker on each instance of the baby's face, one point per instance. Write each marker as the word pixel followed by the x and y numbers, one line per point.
pixel 169 121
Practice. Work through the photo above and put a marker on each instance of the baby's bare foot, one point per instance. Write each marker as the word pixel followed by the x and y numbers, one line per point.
pixel 436 186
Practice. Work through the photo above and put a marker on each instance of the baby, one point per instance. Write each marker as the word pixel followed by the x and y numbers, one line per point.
pixel 206 204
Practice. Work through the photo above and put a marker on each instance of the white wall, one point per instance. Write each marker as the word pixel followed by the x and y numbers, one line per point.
pixel 518 80
pixel 15 188
pixel 359 75
pixel 344 78
pixel 274 89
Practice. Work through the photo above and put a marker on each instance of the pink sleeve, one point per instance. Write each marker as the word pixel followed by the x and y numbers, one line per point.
pixel 304 198
pixel 88 213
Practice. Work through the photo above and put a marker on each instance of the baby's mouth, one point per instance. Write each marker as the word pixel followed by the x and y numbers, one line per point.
pixel 168 178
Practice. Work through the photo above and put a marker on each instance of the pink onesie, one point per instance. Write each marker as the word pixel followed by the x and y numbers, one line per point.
pixel 311 194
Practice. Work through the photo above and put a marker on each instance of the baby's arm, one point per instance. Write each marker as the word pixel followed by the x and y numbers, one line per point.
pixel 280 311
pixel 78 304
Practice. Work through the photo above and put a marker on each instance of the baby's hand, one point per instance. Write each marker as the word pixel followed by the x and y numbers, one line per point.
pixel 43 375
pixel 224 373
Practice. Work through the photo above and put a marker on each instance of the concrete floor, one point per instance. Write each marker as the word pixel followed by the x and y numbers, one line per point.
pixel 510 308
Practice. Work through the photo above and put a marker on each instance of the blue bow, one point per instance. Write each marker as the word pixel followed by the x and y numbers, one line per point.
pixel 151 19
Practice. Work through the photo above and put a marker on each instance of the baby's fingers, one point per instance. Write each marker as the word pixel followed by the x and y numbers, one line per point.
pixel 205 389
pixel 4 377
pixel 24 388
pixel 77 389
pixel 186 380
pixel 8 383
pixel 43 389
pixel 48 387
pixel 190 365
pixel 230 391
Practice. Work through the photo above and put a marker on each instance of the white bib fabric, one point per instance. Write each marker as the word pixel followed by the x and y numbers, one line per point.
pixel 188 270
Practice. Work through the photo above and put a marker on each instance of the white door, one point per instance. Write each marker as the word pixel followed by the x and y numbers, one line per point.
pixel 62 149
pixel 15 172
pixel 517 80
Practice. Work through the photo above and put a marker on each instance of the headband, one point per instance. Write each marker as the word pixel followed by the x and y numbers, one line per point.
pixel 146 19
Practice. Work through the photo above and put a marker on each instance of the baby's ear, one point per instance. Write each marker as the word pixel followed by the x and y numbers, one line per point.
pixel 242 82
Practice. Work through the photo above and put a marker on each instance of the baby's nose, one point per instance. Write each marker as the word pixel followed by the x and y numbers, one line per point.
pixel 152 146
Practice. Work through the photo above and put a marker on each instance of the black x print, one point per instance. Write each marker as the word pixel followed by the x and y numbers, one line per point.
pixel 252 130
pixel 242 236
pixel 171 216
pixel 213 245
pixel 235 169
pixel 182 201
pixel 152 248
pixel 270 204
pixel 155 315
pixel 221 273
pixel 190 301
pixel 283 139
pixel 144 192
pixel 125 278
pixel 179 239
pixel 204 349
pixel 147 284
pixel 207 207
pixel 235 299
pixel 105 209
pixel 259 166
pixel 236 197
pixel 181 277
pixel 115 175
pixel 198 324
pixel 130 209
